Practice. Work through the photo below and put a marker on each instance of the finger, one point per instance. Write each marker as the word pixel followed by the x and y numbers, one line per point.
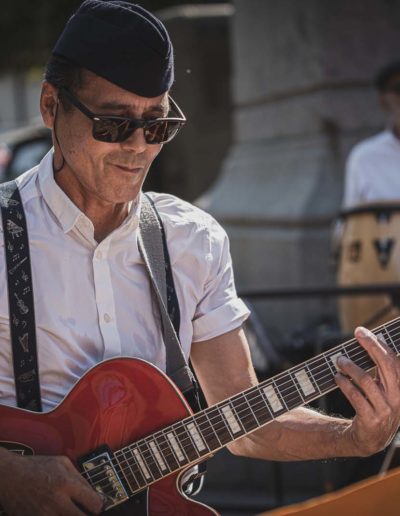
pixel 88 499
pixel 383 357
pixel 363 381
pixel 72 509
pixel 83 493
pixel 360 404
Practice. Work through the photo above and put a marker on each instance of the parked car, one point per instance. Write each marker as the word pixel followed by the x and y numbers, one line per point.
pixel 22 149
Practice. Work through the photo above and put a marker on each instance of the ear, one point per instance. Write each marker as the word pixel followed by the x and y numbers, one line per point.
pixel 48 103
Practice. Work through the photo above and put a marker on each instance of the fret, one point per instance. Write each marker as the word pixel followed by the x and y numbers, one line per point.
pixel 134 469
pixel 311 377
pixel 219 425
pixel 244 414
pixel 391 340
pixel 287 390
pixel 141 463
pixel 207 431
pixel 167 451
pixel 149 459
pixel 333 358
pixel 360 357
pixel 158 455
pixel 326 373
pixel 253 421
pixel 234 426
pixel 382 339
pixel 186 442
pixel 263 415
pixel 331 361
pixel 318 368
pixel 304 382
pixel 176 448
pixel 272 398
pixel 197 439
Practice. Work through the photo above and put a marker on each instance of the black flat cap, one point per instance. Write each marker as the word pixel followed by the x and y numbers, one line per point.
pixel 121 42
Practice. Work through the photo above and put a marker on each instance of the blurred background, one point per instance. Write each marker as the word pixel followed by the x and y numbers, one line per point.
pixel 276 93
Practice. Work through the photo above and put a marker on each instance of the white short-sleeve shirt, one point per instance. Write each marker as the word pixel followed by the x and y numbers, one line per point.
pixel 373 171
pixel 93 300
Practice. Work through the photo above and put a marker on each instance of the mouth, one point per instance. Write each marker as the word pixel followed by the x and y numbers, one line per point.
pixel 125 168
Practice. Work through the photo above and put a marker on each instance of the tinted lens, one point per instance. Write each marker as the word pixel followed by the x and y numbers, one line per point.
pixel 111 130
pixel 162 131
pixel 114 130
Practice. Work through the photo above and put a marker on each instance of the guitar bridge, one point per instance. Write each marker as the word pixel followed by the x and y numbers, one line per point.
pixel 103 476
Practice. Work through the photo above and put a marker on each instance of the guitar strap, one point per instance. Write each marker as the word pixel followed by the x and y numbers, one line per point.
pixel 153 248
pixel 154 251
pixel 20 298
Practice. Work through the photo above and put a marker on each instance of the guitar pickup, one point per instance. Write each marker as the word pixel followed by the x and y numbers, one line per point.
pixel 103 476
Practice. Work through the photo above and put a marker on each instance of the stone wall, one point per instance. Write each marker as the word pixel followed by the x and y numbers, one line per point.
pixel 302 95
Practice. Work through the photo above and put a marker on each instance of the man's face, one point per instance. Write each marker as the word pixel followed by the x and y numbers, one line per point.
pixel 94 170
pixel 390 98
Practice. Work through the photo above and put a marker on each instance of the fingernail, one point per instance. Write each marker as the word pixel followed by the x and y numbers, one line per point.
pixel 363 332
pixel 342 360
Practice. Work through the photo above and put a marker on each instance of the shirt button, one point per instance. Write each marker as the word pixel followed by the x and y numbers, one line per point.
pixel 107 318
pixel 99 255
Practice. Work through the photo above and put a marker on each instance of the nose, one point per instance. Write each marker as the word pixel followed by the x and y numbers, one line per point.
pixel 136 142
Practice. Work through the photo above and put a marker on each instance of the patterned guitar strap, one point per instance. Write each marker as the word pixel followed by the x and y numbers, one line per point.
pixel 20 299
pixel 154 250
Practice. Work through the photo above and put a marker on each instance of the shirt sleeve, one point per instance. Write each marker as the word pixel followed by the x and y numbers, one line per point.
pixel 354 184
pixel 219 310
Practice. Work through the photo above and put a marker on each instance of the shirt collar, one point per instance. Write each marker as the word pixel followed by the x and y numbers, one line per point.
pixel 65 211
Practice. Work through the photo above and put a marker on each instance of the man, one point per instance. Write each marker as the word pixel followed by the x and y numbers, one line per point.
pixel 93 298
pixel 372 169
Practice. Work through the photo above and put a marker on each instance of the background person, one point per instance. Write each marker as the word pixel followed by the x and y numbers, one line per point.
pixel 372 169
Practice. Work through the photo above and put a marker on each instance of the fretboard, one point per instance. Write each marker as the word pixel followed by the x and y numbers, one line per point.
pixel 196 437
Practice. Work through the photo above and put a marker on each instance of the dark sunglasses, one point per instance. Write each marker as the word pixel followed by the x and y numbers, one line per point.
pixel 116 129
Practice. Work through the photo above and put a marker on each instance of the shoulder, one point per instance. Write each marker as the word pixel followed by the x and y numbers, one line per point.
pixel 189 230
pixel 369 147
pixel 179 213
pixel 27 188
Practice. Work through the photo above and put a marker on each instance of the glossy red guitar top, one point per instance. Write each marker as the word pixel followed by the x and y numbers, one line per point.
pixel 115 404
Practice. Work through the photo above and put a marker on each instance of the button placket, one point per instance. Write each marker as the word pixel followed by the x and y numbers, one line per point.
pixel 105 300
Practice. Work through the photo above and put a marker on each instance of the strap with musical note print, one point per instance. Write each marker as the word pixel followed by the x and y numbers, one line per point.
pixel 20 298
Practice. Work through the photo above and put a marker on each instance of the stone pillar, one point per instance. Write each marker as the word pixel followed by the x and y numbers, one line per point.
pixel 302 94
pixel 188 165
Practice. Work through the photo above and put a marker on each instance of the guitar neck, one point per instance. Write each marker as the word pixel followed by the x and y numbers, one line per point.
pixel 196 437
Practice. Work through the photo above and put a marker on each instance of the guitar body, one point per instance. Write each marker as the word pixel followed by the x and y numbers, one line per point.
pixel 114 404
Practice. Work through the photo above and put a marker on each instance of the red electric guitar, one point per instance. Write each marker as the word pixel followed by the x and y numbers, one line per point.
pixel 130 432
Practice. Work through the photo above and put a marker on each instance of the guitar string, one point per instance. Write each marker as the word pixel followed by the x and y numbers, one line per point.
pixel 126 465
pixel 236 409
pixel 136 474
pixel 248 411
pixel 157 468
pixel 156 465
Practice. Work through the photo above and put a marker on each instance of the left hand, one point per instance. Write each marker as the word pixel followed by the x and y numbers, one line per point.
pixel 376 401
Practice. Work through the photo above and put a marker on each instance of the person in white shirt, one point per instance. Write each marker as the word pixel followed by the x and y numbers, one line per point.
pixel 92 295
pixel 372 169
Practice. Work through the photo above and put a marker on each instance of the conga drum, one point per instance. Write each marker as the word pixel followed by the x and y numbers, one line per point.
pixel 368 252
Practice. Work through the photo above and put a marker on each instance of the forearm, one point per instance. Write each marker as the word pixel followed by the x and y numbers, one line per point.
pixel 302 434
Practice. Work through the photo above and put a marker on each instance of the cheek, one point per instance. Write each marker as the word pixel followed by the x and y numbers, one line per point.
pixel 153 150
pixel 81 146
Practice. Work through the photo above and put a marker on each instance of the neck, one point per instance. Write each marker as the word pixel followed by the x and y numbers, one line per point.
pixel 105 216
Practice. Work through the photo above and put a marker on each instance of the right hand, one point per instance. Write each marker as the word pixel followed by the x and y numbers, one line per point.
pixel 45 486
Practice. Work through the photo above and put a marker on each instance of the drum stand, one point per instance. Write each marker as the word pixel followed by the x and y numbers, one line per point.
pixel 392 457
